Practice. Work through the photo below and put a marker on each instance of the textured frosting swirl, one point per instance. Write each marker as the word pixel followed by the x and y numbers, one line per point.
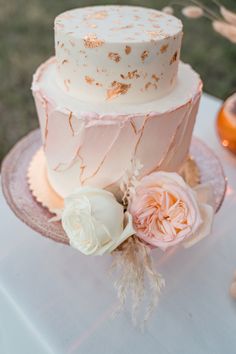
pixel 91 144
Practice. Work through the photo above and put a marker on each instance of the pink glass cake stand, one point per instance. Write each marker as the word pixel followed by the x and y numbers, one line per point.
pixel 26 208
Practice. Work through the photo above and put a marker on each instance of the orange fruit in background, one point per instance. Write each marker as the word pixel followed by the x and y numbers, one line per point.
pixel 226 123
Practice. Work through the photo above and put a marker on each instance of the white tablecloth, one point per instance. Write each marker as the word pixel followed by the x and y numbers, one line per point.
pixel 55 300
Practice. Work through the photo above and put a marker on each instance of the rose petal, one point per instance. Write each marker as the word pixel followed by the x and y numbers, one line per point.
pixel 163 245
pixel 127 232
pixel 207 213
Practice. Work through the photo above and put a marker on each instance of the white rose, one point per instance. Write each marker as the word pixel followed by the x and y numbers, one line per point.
pixel 94 221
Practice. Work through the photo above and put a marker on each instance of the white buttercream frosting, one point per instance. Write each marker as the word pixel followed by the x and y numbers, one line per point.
pixel 117 53
pixel 45 80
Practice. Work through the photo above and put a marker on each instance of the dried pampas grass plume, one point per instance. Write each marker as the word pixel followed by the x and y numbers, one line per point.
pixel 168 10
pixel 192 11
pixel 229 16
pixel 226 30
pixel 133 264
pixel 223 20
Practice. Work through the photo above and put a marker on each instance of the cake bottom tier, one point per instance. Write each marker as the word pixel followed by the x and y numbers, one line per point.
pixel 98 145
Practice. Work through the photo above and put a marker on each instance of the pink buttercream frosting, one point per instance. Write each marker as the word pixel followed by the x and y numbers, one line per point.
pixel 94 145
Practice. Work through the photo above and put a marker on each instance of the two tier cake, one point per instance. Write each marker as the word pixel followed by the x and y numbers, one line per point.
pixel 114 94
pixel 117 109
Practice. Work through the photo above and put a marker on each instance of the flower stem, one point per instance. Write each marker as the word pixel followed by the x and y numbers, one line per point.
pixel 216 3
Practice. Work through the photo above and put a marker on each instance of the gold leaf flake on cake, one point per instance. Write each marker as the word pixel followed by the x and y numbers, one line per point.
pixel 101 70
pixel 92 25
pixel 174 58
pixel 130 75
pixel 117 89
pixel 96 171
pixel 155 15
pixel 164 48
pixel 89 80
pixel 141 131
pixel 150 84
pixel 144 55
pixel 98 15
pixel 70 123
pixel 155 77
pixel 133 126
pixel 114 56
pixel 91 41
pixel 153 34
pixel 128 49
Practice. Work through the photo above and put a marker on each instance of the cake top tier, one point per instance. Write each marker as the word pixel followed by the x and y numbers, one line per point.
pixel 119 24
pixel 117 52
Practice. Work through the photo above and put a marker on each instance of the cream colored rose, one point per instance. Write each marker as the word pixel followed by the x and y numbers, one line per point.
pixel 95 222
pixel 166 211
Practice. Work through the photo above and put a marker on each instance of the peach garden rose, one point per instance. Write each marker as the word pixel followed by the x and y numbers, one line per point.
pixel 166 211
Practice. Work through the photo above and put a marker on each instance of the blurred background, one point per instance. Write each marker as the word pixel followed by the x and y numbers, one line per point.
pixel 26 39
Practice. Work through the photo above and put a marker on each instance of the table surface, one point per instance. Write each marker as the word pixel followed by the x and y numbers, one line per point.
pixel 55 300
